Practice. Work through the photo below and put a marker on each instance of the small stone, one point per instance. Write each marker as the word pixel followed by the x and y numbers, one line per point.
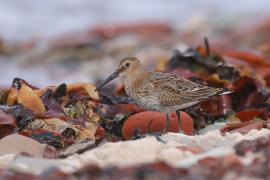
pixel 15 144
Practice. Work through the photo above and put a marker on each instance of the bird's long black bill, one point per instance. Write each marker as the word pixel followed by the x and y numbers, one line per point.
pixel 110 78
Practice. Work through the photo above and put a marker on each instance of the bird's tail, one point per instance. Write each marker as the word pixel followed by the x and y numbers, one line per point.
pixel 222 91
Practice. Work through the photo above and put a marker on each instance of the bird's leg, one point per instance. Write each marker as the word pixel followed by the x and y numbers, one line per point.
pixel 179 120
pixel 137 134
pixel 149 127
pixel 167 124
pixel 155 134
pixel 149 130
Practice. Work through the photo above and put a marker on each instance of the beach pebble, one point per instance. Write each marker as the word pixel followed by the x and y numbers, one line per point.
pixel 15 144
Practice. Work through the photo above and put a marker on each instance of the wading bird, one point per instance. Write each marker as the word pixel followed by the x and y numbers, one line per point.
pixel 159 91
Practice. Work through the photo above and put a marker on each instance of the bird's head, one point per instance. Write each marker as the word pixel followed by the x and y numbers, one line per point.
pixel 127 66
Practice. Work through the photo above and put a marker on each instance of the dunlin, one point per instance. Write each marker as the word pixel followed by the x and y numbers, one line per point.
pixel 159 91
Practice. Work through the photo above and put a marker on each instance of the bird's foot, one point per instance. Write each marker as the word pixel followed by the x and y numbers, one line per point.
pixel 137 134
pixel 180 131
pixel 157 135
pixel 178 113
pixel 167 125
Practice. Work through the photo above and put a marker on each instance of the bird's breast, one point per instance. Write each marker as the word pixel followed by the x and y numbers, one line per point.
pixel 130 91
pixel 130 87
pixel 145 102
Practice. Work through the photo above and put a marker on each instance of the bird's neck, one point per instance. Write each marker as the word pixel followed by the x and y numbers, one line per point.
pixel 133 79
pixel 136 74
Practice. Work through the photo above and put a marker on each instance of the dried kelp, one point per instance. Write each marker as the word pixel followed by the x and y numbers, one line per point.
pixel 58 116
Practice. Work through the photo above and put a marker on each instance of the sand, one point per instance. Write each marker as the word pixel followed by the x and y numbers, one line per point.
pixel 178 150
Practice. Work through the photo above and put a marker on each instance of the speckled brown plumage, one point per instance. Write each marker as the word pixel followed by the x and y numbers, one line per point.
pixel 165 92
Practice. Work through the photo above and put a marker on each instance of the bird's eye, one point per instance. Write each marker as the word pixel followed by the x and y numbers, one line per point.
pixel 127 64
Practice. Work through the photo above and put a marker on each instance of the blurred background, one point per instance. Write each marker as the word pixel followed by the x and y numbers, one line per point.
pixel 51 42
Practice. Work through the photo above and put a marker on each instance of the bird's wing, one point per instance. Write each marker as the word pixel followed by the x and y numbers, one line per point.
pixel 171 90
